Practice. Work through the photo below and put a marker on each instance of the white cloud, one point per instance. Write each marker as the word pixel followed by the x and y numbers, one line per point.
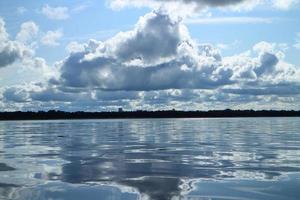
pixel 159 54
pixel 11 51
pixel 51 38
pixel 235 5
pixel 17 58
pixel 230 20
pixel 264 47
pixel 284 4
pixel 81 7
pixel 226 46
pixel 74 47
pixel 157 65
pixel 277 49
pixel 222 46
pixel 28 31
pixel 3 33
pixel 47 94
pixel 21 10
pixel 297 42
pixel 117 4
pixel 55 13
pixel 151 57
pixel 15 94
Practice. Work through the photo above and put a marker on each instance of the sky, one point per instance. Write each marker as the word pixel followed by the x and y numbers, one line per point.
pixel 149 54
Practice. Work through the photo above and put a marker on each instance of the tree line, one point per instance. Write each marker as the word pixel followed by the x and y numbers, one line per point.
pixel 56 114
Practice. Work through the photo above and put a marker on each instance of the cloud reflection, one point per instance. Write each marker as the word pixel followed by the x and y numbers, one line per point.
pixel 159 159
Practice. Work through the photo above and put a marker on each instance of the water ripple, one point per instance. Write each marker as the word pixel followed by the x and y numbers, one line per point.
pixel 157 159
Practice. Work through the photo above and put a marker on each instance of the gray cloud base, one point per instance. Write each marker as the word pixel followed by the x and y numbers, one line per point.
pixel 158 65
pixel 158 55
pixel 155 56
pixel 201 3
pixel 11 51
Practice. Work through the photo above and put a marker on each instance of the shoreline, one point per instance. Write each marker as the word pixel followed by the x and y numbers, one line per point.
pixel 61 115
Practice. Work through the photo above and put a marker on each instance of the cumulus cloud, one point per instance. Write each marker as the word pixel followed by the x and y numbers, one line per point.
pixel 281 90
pixel 155 36
pixel 230 20
pixel 297 42
pixel 35 92
pixel 11 51
pixel 81 7
pixel 196 5
pixel 51 38
pixel 74 47
pixel 3 33
pixel 284 4
pixel 28 31
pixel 51 94
pixel 15 94
pixel 267 74
pixel 21 10
pixel 55 13
pixel 157 65
pixel 151 3
pixel 19 56
pixel 159 54
pixel 38 96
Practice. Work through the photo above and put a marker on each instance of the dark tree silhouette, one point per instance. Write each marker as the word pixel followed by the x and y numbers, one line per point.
pixel 53 114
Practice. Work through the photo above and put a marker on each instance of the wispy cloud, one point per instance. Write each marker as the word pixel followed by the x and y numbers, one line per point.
pixel 99 35
pixel 28 31
pixel 226 46
pixel 21 10
pixel 51 38
pixel 284 4
pixel 55 13
pixel 230 20
pixel 81 7
pixel 297 43
pixel 233 5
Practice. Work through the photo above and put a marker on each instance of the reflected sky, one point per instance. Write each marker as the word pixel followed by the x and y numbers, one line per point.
pixel 147 158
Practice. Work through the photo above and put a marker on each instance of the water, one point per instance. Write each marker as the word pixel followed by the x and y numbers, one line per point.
pixel 204 159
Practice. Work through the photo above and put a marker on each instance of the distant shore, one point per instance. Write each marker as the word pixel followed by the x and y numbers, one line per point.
pixel 56 115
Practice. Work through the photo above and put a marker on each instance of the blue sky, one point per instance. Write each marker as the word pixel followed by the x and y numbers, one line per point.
pixel 45 42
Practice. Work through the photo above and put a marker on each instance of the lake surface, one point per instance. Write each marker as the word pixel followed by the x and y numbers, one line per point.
pixel 203 159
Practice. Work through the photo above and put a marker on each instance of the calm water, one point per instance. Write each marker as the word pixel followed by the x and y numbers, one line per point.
pixel 204 159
